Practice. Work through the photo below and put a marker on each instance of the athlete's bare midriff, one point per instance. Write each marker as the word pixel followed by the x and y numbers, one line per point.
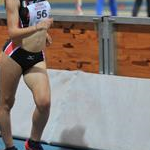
pixel 34 42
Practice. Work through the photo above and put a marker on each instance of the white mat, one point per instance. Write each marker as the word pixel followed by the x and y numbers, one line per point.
pixel 90 110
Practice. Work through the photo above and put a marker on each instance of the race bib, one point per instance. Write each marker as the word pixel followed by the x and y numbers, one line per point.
pixel 39 11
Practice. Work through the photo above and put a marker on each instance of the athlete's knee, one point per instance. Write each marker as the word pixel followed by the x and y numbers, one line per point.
pixel 43 103
pixel 7 103
pixel 44 106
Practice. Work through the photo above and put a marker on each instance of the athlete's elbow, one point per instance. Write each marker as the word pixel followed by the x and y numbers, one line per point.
pixel 12 33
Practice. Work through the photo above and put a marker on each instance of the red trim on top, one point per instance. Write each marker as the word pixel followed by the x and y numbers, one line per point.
pixel 9 49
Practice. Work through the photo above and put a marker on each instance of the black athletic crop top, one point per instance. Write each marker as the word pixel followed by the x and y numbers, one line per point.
pixel 33 11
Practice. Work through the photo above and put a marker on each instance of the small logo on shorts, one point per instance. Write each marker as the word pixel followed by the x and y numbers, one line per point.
pixel 30 57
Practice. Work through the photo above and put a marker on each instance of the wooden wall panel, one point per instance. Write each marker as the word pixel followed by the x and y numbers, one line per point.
pixel 3 33
pixel 133 50
pixel 74 47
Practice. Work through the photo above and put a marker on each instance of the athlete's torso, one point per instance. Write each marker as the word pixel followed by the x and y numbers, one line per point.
pixel 30 13
pixel 33 11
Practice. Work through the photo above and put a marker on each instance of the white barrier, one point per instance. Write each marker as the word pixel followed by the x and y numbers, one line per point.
pixel 91 110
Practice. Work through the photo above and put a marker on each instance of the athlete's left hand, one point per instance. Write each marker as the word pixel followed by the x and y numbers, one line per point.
pixel 48 40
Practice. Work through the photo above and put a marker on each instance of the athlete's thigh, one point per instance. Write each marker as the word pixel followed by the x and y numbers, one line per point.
pixel 37 80
pixel 10 73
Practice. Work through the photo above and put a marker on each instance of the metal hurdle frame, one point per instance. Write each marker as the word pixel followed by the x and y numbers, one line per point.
pixel 98 21
pixel 111 51
pixel 99 27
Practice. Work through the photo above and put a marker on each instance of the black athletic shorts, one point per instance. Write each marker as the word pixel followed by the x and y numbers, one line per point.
pixel 23 57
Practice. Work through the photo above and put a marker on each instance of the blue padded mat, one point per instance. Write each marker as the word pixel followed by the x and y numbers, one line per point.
pixel 20 145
